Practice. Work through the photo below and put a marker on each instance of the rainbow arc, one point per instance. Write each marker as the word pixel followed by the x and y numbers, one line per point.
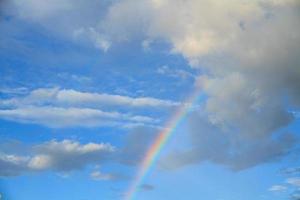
pixel 159 142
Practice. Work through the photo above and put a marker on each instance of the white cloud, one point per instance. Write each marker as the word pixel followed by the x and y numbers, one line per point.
pixel 70 96
pixel 40 162
pixel 56 107
pixel 176 73
pixel 63 97
pixel 14 91
pixel 100 176
pixel 95 37
pixel 278 188
pixel 57 117
pixel 295 181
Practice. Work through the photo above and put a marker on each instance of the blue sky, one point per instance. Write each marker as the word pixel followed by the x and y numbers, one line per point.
pixel 87 86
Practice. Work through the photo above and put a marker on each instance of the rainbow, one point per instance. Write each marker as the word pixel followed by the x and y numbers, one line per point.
pixel 152 153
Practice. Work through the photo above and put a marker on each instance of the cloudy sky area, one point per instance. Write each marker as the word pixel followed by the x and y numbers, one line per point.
pixel 86 87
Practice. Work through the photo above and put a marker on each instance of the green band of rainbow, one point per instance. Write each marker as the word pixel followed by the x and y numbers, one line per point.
pixel 159 142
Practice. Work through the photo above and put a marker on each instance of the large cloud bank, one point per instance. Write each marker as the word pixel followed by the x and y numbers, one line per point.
pixel 248 52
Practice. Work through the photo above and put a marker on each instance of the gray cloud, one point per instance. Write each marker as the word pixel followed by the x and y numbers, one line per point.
pixel 12 165
pixel 227 147
pixel 69 155
pixel 136 145
pixel 71 20
pixel 98 175
pixel 147 187
pixel 291 171
pixel 294 181
pixel 250 64
pixel 60 156
pixel 295 195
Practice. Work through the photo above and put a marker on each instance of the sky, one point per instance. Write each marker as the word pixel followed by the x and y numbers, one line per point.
pixel 149 99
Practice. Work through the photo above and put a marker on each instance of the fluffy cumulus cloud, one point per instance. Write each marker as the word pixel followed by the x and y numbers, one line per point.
pixel 249 54
pixel 195 28
pixel 66 156
pixel 64 108
pixel 59 156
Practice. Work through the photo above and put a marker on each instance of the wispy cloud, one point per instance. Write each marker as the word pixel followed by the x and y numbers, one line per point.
pixel 57 117
pixel 291 171
pixel 278 188
pixel 54 107
pixel 176 73
pixel 100 176
pixel 295 181
pixel 64 97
